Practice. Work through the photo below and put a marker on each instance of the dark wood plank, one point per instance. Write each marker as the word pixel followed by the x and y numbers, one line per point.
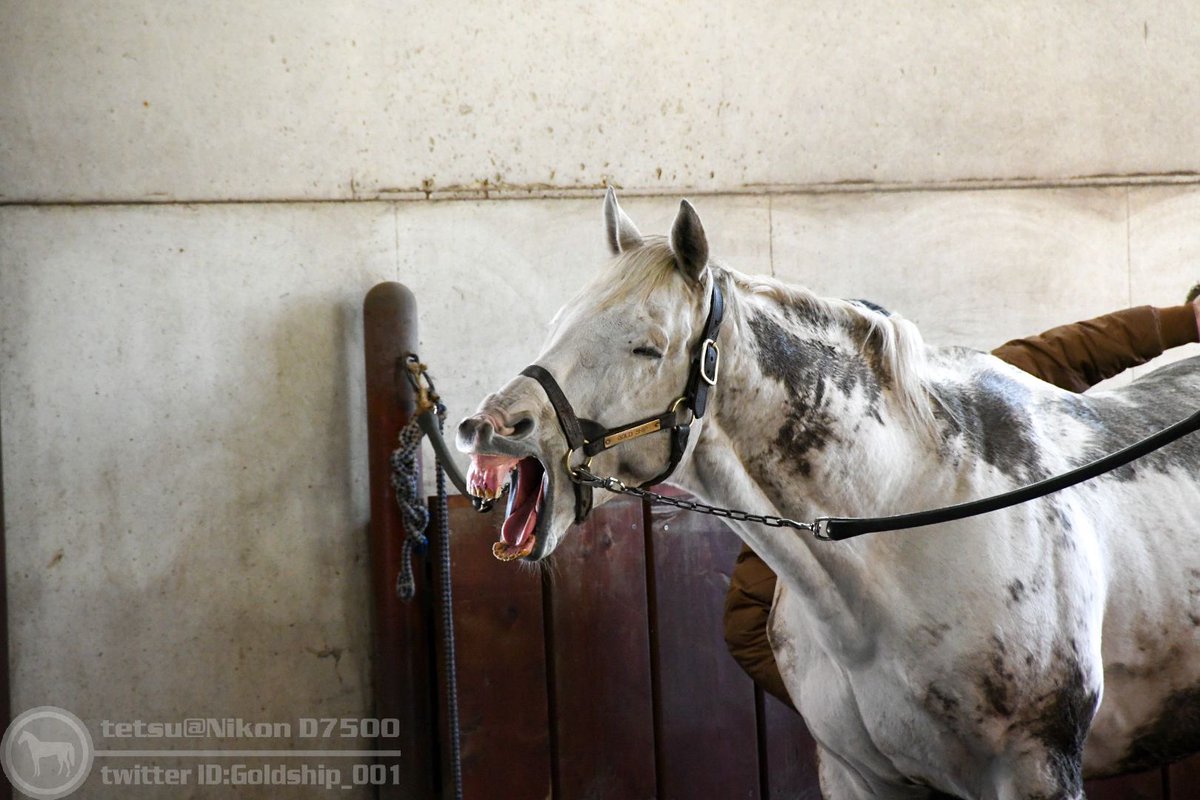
pixel 502 692
pixel 1184 779
pixel 1139 786
pixel 706 721
pixel 599 659
pixel 789 752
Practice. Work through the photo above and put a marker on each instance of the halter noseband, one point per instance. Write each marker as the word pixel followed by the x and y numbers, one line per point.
pixel 591 437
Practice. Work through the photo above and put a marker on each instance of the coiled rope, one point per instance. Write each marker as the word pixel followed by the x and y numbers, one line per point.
pixel 406 481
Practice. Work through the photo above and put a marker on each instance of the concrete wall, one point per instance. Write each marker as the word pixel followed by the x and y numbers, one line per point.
pixel 181 390
pixel 300 99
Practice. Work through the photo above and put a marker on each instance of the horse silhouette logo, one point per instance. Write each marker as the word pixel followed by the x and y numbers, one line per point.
pixel 64 752
pixel 47 753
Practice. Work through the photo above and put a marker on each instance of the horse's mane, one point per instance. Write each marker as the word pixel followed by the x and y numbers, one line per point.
pixel 898 342
pixel 635 274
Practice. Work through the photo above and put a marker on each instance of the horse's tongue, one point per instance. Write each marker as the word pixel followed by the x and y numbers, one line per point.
pixel 522 519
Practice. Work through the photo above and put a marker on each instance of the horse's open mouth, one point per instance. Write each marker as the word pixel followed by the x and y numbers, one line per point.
pixel 527 484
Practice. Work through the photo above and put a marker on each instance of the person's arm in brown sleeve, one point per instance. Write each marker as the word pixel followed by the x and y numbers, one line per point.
pixel 1080 355
pixel 747 607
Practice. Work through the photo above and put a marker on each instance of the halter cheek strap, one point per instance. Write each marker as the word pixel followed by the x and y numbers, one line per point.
pixel 572 428
pixel 591 437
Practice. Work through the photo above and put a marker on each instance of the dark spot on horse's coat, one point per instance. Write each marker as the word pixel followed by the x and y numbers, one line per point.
pixel 1174 733
pixel 996 694
pixel 934 633
pixel 940 703
pixel 1148 405
pixel 1016 590
pixel 811 370
pixel 1061 722
pixel 991 416
pixel 997 682
pixel 1058 523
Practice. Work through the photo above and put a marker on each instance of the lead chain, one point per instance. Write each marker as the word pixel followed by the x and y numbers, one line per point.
pixel 584 476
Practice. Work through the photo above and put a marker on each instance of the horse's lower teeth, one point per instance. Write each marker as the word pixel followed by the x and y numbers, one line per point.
pixel 500 553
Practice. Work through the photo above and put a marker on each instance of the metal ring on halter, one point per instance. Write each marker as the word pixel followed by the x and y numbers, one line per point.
pixel 674 409
pixel 587 464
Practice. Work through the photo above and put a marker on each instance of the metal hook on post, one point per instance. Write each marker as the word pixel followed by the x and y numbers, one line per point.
pixel 428 413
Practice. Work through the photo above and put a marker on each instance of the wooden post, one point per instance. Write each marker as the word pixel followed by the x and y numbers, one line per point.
pixel 402 657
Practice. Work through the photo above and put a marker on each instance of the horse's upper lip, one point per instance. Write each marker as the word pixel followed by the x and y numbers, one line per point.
pixel 499 446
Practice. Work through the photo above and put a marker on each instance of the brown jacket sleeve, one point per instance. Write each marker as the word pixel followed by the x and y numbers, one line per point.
pixel 1081 355
pixel 1073 356
pixel 747 606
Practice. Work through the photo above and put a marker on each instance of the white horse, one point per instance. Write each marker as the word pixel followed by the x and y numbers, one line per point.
pixel 1005 656
pixel 64 752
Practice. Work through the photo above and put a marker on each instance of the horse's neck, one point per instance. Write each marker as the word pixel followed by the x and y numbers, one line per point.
pixel 781 438
pixel 816 418
pixel 809 420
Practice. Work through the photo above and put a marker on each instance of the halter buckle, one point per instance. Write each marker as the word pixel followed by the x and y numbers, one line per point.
pixel 711 380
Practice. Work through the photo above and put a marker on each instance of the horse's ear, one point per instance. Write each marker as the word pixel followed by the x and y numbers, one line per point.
pixel 688 242
pixel 622 233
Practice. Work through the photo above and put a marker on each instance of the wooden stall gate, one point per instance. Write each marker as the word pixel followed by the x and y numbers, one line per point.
pixel 600 675
pixel 605 673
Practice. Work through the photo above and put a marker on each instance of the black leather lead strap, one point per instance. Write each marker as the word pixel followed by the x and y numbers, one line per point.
pixel 840 528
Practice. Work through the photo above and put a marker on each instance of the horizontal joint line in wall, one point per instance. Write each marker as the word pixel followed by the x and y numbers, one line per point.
pixel 568 192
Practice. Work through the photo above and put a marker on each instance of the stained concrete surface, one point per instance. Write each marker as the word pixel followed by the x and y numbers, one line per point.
pixel 184 456
pixel 970 268
pixel 182 401
pixel 299 99
pixel 180 385
pixel 1164 250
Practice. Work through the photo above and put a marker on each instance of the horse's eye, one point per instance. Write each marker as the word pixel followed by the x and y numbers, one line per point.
pixel 648 352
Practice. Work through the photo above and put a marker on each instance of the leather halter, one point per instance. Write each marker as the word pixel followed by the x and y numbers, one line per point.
pixel 591 437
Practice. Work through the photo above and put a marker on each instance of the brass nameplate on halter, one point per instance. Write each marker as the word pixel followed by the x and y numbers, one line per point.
pixel 624 436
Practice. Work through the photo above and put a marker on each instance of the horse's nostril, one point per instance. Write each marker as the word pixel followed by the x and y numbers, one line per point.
pixel 484 431
pixel 522 427
pixel 473 430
